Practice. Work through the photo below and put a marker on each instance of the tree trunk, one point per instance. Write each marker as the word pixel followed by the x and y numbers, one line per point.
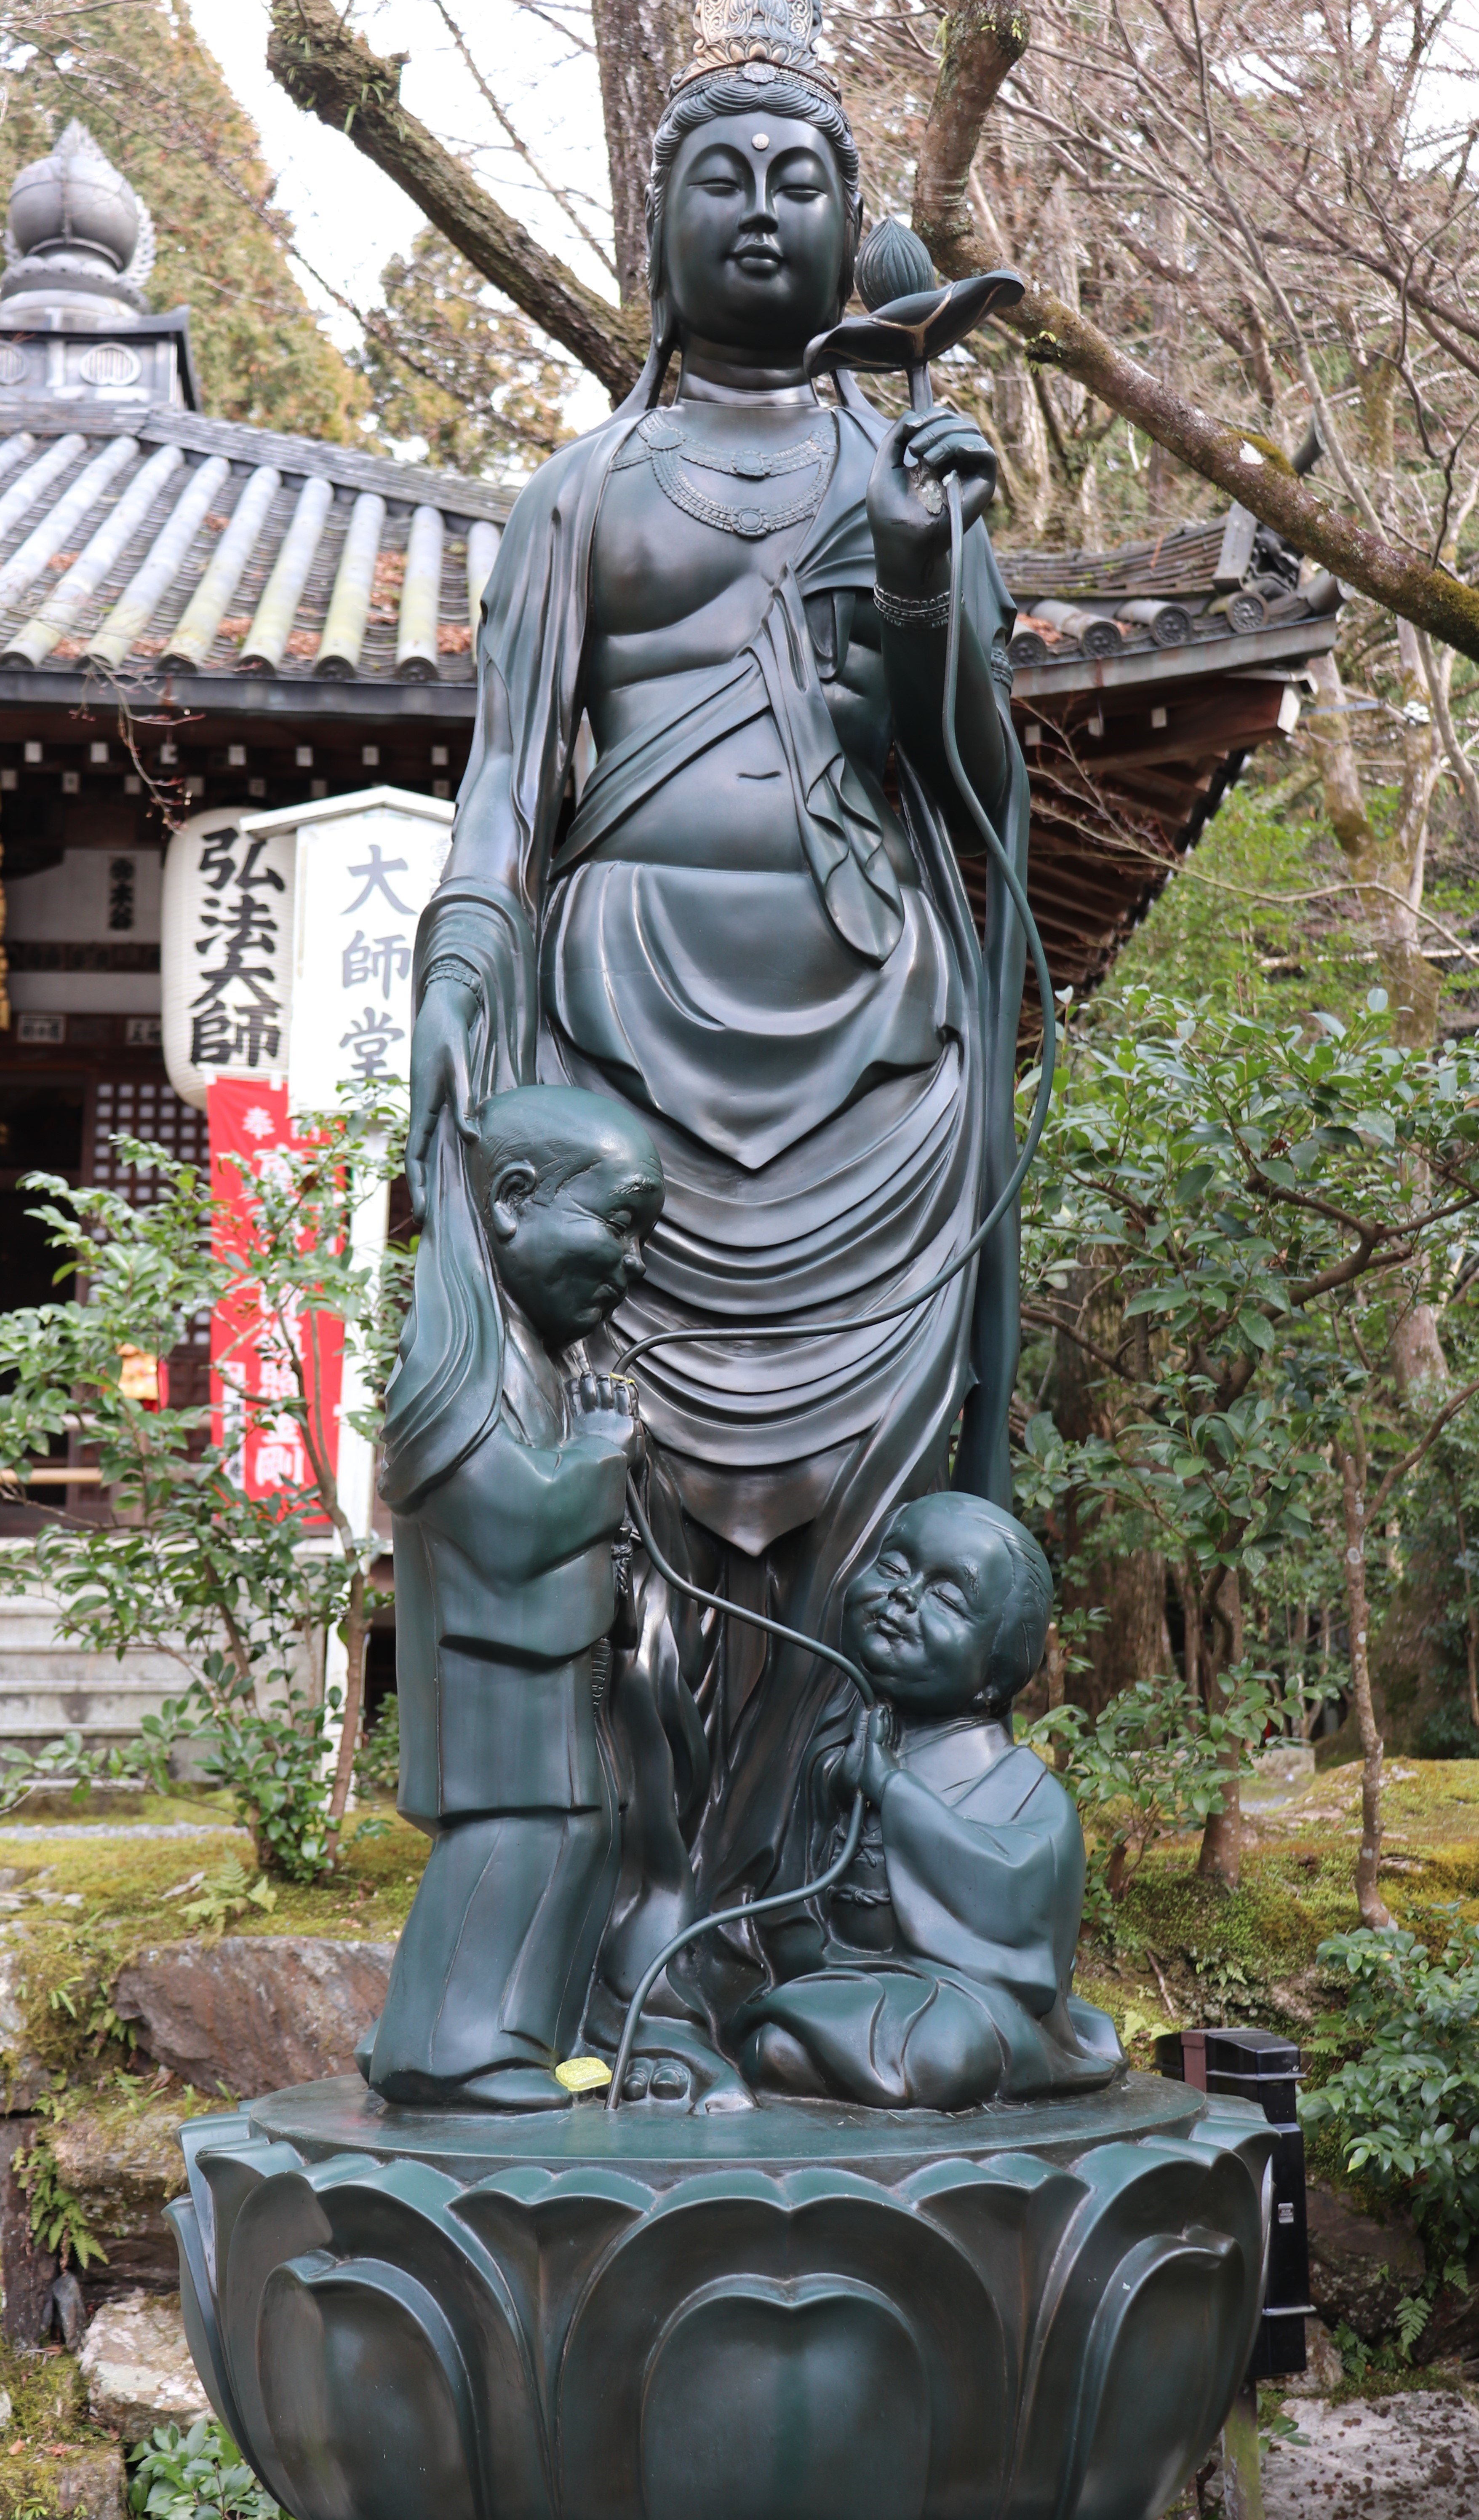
pixel 1221 1855
pixel 1022 441
pixel 1397 866
pixel 1410 978
pixel 356 1643
pixel 1353 1503
pixel 639 45
pixel 981 41
pixel 1470 1618
pixel 1064 399
pixel 1132 1643
pixel 1329 733
pixel 325 66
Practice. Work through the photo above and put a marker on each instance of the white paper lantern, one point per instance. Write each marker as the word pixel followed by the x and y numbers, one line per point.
pixel 225 950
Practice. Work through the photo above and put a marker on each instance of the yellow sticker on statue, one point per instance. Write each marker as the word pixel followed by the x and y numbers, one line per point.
pixel 583 2074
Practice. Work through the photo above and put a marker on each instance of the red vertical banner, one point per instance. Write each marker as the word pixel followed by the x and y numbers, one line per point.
pixel 257 1356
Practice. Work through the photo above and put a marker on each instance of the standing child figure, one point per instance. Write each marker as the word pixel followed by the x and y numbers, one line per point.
pixel 508 1480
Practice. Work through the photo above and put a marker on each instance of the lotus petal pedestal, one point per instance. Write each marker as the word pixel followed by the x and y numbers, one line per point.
pixel 803 2311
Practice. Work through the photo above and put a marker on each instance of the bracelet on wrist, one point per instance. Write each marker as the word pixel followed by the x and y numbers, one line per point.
pixel 911 611
pixel 453 966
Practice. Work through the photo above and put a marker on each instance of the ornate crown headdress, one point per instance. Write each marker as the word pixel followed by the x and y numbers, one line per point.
pixel 760 39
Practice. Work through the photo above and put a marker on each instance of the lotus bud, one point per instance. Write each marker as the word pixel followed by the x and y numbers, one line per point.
pixel 892 263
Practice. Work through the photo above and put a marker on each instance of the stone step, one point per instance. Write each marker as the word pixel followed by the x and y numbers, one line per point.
pixel 49 1687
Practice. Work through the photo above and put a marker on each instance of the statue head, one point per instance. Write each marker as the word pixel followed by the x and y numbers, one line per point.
pixel 951 1616
pixel 546 1205
pixel 755 209
pixel 567 1187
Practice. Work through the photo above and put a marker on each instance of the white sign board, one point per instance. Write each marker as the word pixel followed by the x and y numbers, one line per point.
pixel 285 942
pixel 367 867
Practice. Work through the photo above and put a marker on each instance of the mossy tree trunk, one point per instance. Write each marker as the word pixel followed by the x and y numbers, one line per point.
pixel 1352 1458
pixel 1221 1647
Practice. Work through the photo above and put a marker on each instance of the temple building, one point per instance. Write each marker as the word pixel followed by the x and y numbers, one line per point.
pixel 199 617
pixel 192 615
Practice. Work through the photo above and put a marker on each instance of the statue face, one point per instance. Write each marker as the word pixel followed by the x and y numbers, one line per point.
pixel 754 232
pixel 567 1254
pixel 922 1618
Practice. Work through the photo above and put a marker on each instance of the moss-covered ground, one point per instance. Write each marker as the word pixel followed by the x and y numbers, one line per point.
pixel 1182 1949
pixel 1179 1949
pixel 47 2416
pixel 81 1895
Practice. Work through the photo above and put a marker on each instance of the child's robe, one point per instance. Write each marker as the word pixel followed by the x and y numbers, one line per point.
pixel 949 1959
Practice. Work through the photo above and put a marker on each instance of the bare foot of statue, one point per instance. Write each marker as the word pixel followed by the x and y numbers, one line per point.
pixel 513 2087
pixel 676 2066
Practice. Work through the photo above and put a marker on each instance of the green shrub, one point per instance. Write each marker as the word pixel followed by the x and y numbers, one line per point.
pixel 1405 2109
pixel 376 1769
pixel 198 2475
pixel 1150 1764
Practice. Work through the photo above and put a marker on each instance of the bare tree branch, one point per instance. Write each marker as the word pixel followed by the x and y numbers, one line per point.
pixel 981 41
pixel 332 71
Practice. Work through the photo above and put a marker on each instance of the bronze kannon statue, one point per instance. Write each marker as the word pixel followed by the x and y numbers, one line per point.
pixel 707 1647
pixel 746 942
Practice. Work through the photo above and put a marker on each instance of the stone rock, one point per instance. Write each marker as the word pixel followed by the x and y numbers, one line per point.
pixel 1414 2457
pixel 123 2165
pixel 1324 2369
pixel 1361 2268
pixel 23 2075
pixel 138 2369
pixel 92 2485
pixel 255 2013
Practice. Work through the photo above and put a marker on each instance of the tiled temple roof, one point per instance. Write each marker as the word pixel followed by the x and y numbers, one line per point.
pixel 142 544
pixel 1196 593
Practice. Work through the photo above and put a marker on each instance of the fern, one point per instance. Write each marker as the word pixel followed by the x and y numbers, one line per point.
pixel 227 1896
pixel 1411 2319
pixel 57 2218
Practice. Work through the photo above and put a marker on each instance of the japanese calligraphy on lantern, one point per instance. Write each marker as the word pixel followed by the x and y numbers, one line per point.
pixel 287 937
pixel 225 950
pixel 367 867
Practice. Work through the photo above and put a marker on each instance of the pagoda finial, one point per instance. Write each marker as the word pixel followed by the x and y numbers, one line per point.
pixel 77 228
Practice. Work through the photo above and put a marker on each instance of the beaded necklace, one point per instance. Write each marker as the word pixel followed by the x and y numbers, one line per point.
pixel 671 449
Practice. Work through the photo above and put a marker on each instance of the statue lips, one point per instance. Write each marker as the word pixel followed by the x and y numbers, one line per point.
pixel 909 332
pixel 886 1631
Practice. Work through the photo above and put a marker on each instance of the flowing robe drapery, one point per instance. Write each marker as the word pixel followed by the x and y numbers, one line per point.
pixel 823 1055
